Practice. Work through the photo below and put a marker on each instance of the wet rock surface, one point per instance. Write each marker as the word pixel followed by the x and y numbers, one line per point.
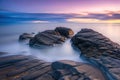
pixel 95 46
pixel 66 32
pixel 51 37
pixel 25 36
pixel 71 70
pixel 19 67
pixel 48 38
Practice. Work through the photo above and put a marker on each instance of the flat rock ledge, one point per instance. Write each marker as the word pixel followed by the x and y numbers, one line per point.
pixel 19 67
pixel 100 49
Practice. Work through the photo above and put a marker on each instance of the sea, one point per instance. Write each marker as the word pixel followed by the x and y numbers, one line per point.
pixel 10 32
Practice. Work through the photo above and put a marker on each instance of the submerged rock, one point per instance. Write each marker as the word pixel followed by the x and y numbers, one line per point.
pixel 48 38
pixel 66 32
pixel 95 46
pixel 25 36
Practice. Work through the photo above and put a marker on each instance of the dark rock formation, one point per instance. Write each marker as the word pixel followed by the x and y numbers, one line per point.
pixel 48 38
pixel 97 47
pixel 20 67
pixel 70 70
pixel 25 36
pixel 66 32
pixel 51 37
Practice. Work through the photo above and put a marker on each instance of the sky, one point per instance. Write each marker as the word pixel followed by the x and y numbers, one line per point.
pixel 81 10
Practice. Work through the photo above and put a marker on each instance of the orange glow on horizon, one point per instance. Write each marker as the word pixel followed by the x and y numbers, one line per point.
pixel 82 20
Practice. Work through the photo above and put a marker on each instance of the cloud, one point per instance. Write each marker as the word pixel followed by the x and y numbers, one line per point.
pixel 58 17
pixel 103 16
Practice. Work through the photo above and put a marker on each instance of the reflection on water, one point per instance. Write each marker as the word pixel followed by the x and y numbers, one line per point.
pixel 9 39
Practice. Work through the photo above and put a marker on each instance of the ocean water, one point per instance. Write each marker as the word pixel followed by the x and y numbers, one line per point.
pixel 9 34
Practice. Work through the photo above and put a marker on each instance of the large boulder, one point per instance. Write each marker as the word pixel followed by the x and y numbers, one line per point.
pixel 47 38
pixel 51 37
pixel 25 36
pixel 67 32
pixel 100 49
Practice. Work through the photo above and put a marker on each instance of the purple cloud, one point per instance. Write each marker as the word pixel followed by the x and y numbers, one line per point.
pixel 55 17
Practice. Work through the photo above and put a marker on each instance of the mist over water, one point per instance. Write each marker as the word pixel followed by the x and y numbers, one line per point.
pixel 9 35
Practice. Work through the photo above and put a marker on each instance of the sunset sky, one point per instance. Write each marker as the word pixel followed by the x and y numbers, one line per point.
pixel 68 10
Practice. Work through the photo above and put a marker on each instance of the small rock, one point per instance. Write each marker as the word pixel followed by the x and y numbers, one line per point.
pixel 25 36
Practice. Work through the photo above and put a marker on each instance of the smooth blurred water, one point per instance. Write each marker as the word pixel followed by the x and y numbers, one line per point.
pixel 9 34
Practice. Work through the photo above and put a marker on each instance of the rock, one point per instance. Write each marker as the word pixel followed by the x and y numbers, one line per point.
pixel 70 70
pixel 51 37
pixel 52 32
pixel 67 32
pixel 18 67
pixel 47 38
pixel 97 47
pixel 25 36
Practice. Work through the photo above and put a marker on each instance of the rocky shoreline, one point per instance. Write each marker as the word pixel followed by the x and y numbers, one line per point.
pixel 102 58
pixel 19 67
pixel 96 47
